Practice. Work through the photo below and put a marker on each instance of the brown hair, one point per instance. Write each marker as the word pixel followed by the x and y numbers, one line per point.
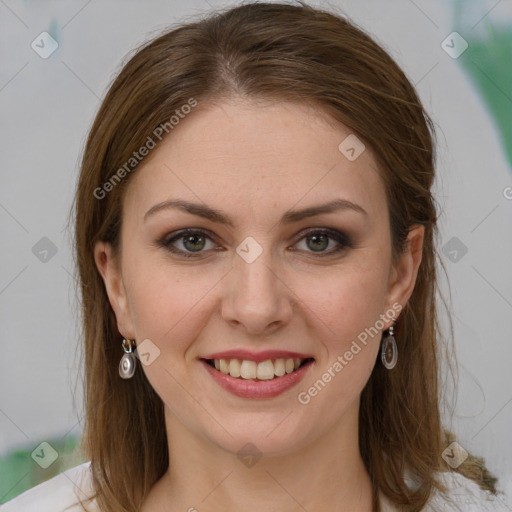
pixel 284 53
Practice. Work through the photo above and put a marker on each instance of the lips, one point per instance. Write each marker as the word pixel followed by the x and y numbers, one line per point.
pixel 257 375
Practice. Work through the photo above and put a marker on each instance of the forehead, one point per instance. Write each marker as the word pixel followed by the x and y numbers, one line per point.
pixel 256 156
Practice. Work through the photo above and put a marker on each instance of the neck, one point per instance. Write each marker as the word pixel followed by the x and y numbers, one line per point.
pixel 327 474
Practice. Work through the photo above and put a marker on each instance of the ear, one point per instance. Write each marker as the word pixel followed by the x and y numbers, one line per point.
pixel 403 274
pixel 112 277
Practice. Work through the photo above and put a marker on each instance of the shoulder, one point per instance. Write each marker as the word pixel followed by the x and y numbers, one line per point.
pixel 465 495
pixel 59 494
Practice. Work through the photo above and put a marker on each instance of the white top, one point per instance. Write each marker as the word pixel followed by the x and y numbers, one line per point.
pixel 58 493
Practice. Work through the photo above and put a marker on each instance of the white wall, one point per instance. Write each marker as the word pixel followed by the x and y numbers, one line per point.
pixel 47 106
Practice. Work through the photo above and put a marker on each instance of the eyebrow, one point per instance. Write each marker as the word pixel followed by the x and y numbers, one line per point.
pixel 289 217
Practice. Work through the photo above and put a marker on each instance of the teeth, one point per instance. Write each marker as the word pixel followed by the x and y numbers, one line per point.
pixel 224 368
pixel 248 370
pixel 234 368
pixel 279 367
pixel 264 370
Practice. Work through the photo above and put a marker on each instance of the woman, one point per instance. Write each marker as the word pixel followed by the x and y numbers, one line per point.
pixel 255 237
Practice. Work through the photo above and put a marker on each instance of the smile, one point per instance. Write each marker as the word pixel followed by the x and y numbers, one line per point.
pixel 253 370
pixel 263 379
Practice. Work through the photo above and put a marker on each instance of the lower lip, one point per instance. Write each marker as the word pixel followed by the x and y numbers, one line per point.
pixel 247 388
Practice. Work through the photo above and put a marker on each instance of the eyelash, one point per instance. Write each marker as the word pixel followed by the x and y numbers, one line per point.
pixel 343 240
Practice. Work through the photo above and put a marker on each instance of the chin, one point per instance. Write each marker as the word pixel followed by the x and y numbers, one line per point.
pixel 270 436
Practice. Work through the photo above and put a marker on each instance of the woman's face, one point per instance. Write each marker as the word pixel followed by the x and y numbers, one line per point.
pixel 260 275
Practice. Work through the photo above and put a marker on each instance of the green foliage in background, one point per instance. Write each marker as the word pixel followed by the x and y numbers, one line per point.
pixel 488 62
pixel 19 472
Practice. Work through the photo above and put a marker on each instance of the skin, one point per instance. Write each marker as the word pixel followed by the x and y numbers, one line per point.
pixel 254 161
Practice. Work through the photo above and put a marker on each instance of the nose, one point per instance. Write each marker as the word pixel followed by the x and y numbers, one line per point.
pixel 257 298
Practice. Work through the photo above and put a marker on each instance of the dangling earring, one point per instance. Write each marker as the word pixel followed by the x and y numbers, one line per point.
pixel 389 350
pixel 128 362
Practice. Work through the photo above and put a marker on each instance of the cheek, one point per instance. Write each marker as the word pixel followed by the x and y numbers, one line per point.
pixel 347 324
pixel 350 301
pixel 347 327
pixel 168 303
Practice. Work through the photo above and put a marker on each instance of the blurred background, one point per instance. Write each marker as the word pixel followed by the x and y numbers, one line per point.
pixel 57 59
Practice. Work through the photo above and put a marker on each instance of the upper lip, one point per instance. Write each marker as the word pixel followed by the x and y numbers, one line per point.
pixel 257 356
